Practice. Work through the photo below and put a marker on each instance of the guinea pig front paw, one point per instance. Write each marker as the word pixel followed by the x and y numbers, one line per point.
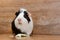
pixel 19 36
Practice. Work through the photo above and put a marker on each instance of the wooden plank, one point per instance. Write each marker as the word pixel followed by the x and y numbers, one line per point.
pixel 45 13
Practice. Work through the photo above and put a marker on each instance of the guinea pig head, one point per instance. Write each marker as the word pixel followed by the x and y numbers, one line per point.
pixel 22 16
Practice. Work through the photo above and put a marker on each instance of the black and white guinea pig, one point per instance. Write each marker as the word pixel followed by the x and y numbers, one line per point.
pixel 22 24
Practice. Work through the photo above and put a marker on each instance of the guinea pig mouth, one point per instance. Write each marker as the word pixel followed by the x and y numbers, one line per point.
pixel 19 23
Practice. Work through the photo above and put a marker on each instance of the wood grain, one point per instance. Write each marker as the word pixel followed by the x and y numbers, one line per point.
pixel 45 14
pixel 34 37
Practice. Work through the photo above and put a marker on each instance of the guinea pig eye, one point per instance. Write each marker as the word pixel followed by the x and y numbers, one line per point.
pixel 17 13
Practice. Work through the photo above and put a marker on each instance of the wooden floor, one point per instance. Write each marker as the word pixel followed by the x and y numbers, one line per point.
pixel 34 37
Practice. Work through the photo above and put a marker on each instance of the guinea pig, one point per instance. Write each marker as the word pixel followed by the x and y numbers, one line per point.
pixel 23 23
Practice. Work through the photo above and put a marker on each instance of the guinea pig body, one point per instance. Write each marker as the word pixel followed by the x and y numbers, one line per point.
pixel 23 23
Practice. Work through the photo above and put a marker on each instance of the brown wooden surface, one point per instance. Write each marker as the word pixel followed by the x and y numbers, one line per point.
pixel 34 37
pixel 45 13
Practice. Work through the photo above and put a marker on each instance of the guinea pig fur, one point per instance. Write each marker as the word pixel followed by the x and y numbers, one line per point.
pixel 22 24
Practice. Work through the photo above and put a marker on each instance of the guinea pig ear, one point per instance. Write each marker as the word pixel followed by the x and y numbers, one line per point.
pixel 17 13
pixel 29 14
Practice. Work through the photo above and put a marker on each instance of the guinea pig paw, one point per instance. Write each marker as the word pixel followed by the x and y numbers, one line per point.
pixel 18 36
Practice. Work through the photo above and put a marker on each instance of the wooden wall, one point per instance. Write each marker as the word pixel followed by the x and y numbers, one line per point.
pixel 45 13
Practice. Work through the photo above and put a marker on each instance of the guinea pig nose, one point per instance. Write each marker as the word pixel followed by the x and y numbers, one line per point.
pixel 19 19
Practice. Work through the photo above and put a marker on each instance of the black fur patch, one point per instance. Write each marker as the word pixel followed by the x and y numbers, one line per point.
pixel 26 16
pixel 14 29
pixel 17 13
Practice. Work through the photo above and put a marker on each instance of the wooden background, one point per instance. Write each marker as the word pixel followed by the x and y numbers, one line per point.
pixel 45 13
